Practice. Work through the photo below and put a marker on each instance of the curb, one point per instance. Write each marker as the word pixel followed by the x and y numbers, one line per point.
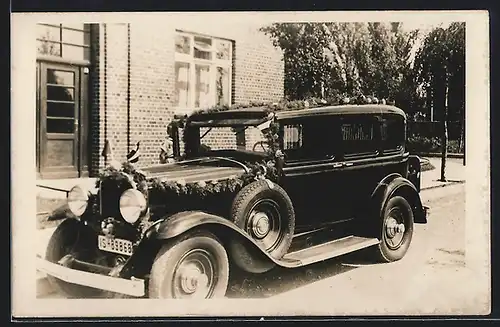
pixel 438 155
pixel 442 185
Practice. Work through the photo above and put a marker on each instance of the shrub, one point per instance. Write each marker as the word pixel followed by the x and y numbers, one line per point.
pixel 426 166
pixel 421 144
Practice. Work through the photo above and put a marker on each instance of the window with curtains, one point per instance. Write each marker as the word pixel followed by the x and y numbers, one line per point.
pixel 203 71
pixel 358 137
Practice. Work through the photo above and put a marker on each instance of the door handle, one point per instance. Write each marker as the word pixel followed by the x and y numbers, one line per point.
pixel 342 164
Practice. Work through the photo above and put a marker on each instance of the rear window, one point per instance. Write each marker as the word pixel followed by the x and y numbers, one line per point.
pixel 392 133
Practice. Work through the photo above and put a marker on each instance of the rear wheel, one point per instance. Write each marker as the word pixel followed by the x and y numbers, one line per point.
pixel 397 230
pixel 195 265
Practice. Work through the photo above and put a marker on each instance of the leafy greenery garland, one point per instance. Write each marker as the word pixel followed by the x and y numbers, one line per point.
pixel 284 105
pixel 269 168
pixel 127 175
pixel 124 176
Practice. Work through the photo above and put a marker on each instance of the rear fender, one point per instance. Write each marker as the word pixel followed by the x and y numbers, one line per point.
pixel 225 231
pixel 396 184
pixel 414 171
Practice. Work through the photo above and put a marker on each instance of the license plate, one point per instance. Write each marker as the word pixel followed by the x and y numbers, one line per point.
pixel 115 245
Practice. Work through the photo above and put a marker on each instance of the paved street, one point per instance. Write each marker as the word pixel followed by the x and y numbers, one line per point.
pixel 432 278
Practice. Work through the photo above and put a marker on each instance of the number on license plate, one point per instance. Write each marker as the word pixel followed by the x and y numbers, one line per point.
pixel 115 245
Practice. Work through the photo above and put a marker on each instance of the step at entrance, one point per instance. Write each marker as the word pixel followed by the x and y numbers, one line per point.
pixel 330 249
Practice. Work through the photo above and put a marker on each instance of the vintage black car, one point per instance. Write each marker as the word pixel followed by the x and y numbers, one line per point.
pixel 254 187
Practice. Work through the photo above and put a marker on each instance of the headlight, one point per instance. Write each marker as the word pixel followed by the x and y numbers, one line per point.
pixel 78 200
pixel 132 204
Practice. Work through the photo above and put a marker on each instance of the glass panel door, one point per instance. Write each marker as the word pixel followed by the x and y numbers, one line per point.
pixel 59 119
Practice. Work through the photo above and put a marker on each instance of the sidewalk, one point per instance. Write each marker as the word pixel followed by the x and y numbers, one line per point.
pixel 57 188
pixel 455 172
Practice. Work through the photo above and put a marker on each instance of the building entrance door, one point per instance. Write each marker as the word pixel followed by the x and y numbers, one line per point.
pixel 62 120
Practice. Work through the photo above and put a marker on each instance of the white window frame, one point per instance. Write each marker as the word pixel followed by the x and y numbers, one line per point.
pixel 212 63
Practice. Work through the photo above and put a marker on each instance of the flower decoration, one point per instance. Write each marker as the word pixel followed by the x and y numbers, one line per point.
pixel 269 168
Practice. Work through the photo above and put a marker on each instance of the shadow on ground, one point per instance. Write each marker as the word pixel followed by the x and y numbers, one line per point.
pixel 280 280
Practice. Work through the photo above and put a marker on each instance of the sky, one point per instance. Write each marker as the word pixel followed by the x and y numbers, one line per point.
pixel 425 28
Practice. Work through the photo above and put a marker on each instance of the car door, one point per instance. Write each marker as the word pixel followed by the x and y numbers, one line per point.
pixel 311 149
pixel 360 155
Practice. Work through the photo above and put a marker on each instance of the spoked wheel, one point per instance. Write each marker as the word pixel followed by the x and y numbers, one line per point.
pixel 264 224
pixel 265 212
pixel 193 266
pixel 397 230
pixel 71 238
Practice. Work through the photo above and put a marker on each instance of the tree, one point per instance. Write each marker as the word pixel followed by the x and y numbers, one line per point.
pixel 440 67
pixel 303 47
pixel 328 59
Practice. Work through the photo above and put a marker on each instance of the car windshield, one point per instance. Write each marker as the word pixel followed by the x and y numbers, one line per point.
pixel 248 138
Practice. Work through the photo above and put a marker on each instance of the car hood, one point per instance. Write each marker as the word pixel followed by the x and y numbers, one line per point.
pixel 192 171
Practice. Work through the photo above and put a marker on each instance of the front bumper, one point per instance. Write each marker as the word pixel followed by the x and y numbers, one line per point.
pixel 133 287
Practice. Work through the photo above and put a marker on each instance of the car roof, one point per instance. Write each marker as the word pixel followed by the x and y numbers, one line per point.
pixel 257 115
pixel 342 110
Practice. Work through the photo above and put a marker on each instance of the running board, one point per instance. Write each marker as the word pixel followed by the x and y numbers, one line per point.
pixel 326 251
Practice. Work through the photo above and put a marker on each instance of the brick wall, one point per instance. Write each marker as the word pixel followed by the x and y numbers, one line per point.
pixel 152 88
pixel 133 83
pixel 258 69
pixel 219 138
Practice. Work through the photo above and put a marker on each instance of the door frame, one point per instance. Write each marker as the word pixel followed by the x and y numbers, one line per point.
pixel 82 117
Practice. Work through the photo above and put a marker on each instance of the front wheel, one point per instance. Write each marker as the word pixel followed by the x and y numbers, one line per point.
pixel 397 230
pixel 72 238
pixel 195 265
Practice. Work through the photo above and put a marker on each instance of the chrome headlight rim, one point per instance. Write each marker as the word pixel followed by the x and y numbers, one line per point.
pixel 132 205
pixel 78 200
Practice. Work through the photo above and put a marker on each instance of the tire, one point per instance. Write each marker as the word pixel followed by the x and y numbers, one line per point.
pixel 71 237
pixel 394 242
pixel 267 215
pixel 177 269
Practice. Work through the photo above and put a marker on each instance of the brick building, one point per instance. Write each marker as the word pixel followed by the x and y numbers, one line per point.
pixel 124 83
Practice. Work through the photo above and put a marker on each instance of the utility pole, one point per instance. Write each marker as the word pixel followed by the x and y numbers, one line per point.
pixel 444 139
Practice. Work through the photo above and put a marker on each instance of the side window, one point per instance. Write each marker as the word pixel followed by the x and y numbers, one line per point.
pixel 358 137
pixel 292 137
pixel 392 133
pixel 311 139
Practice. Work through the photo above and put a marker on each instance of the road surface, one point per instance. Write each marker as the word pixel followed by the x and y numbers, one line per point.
pixel 431 279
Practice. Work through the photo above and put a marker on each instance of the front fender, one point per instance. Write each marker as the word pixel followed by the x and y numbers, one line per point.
pixel 396 184
pixel 181 222
pixel 224 229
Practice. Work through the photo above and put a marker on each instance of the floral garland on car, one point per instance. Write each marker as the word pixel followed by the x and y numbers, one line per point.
pixel 269 168
pixel 127 174
pixel 272 134
pixel 123 176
